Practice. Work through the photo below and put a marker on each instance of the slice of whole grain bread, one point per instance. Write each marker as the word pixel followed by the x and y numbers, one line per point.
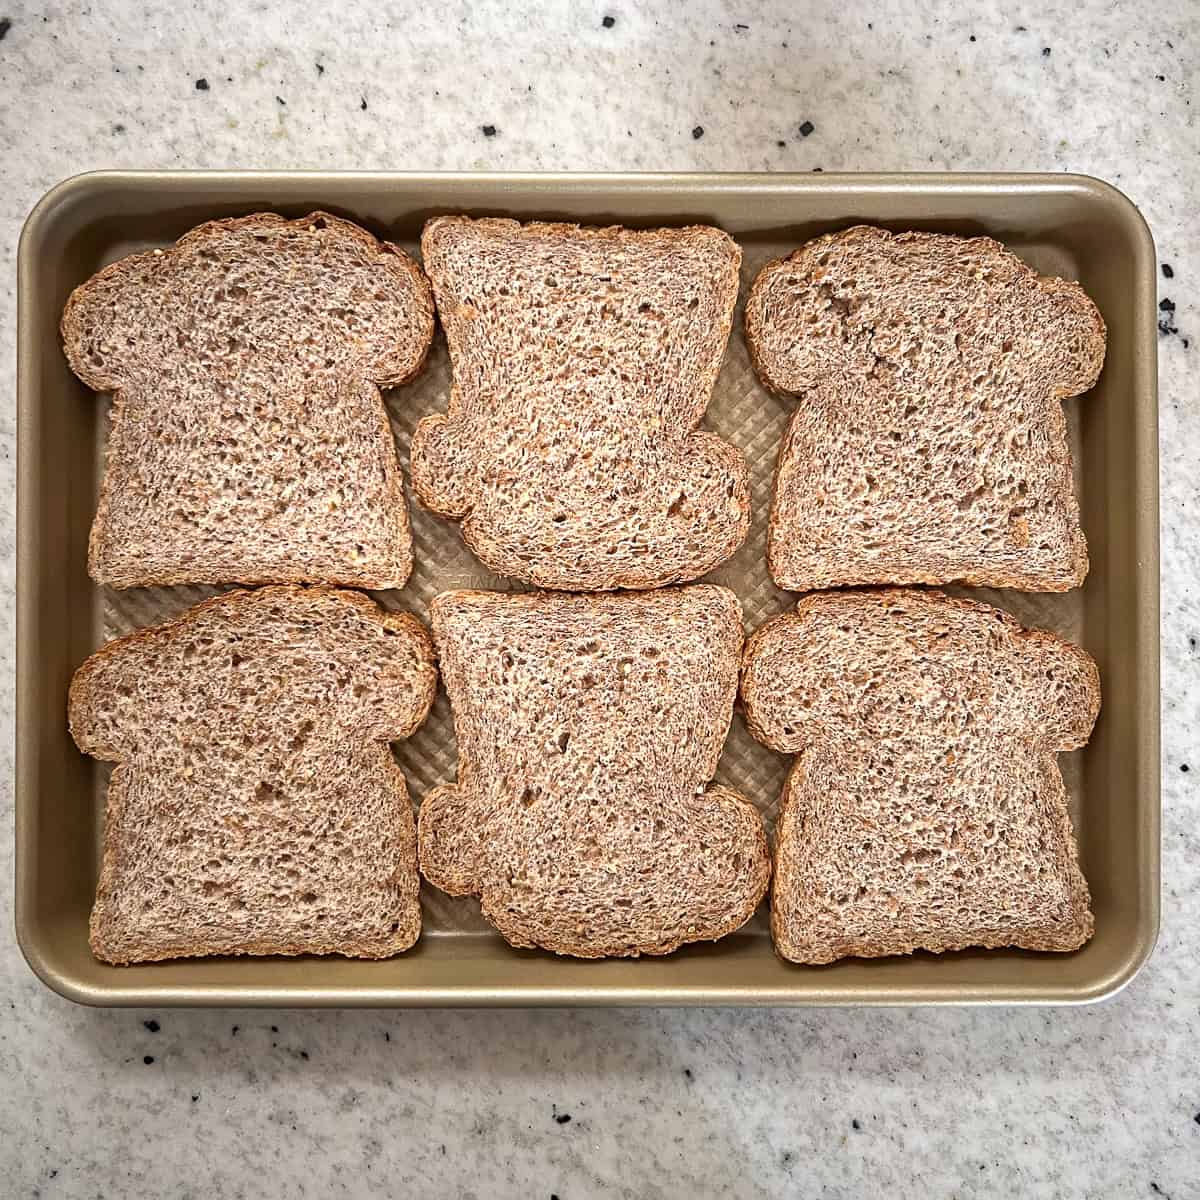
pixel 249 442
pixel 583 360
pixel 588 730
pixel 929 443
pixel 925 809
pixel 256 807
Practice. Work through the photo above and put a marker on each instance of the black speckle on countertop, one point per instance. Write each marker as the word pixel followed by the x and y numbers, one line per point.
pixel 1183 767
pixel 53 1172
pixel 698 132
pixel 855 1124
pixel 152 1024
pixel 148 1059
pixel 1192 642
pixel 786 1159
pixel 280 100
pixel 609 22
pixel 118 128
pixel 688 1072
pixel 304 1055
pixel 5 26
pixel 1157 1190
pixel 1021 29
pixel 781 143
pixel 553 1196
pixel 320 68
pixel 806 127
pixel 1161 78
pixel 488 130
pixel 742 28
pixel 1168 271
pixel 1045 51
pixel 195 1097
pixel 274 1028
pixel 563 1118
pixel 234 1031
pixel 1196 1118
pixel 971 38
pixel 363 105
pixel 387 1037
pixel 202 85
pixel 1166 323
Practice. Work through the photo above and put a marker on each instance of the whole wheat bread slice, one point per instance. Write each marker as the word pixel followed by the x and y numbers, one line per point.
pixel 583 360
pixel 249 442
pixel 925 809
pixel 929 443
pixel 256 807
pixel 588 730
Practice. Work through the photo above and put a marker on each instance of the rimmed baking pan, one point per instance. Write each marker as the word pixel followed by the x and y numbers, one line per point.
pixel 1065 225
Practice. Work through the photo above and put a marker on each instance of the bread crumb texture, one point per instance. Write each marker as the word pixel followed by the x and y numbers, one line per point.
pixel 925 809
pixel 929 443
pixel 589 728
pixel 249 441
pixel 256 807
pixel 583 361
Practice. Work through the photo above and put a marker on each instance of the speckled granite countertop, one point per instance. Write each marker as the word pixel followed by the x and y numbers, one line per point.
pixel 1096 1102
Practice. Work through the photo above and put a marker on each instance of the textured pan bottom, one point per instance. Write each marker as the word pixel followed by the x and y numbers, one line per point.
pixel 743 413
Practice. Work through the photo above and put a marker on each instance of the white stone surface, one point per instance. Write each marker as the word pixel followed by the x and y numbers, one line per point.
pixel 1098 1102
